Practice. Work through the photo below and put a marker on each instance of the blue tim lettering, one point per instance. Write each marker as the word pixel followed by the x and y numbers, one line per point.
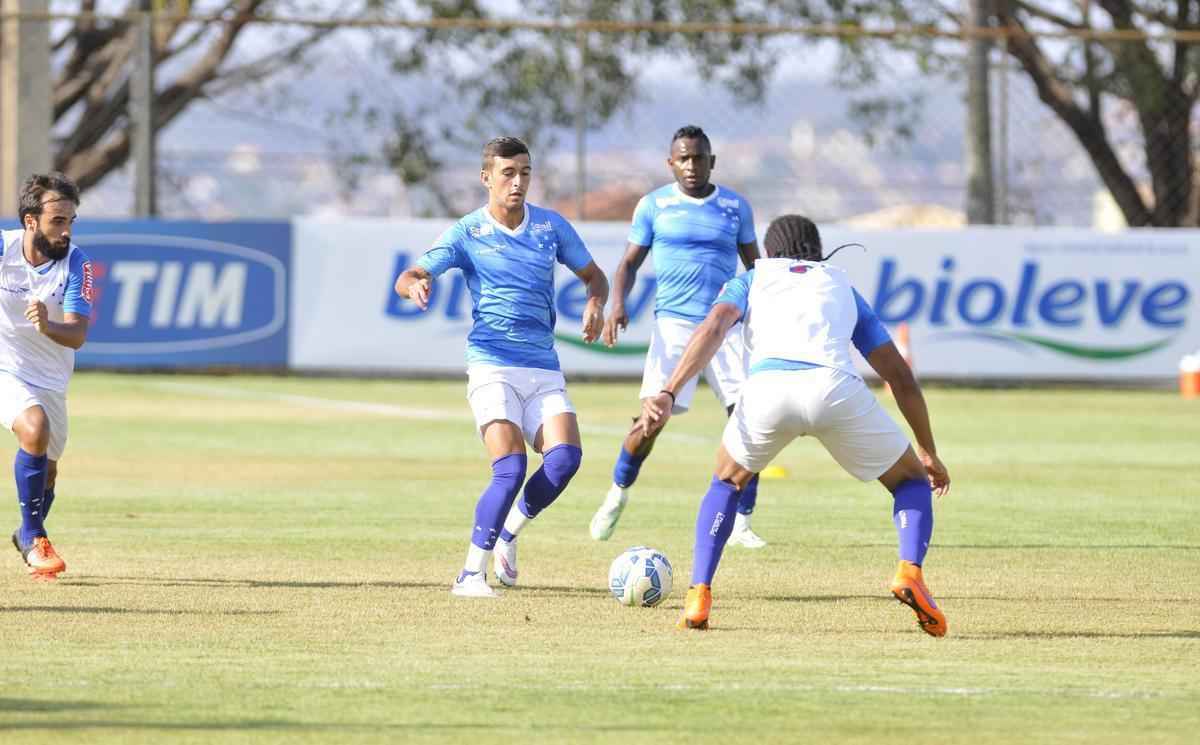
pixel 1058 298
pixel 1111 315
pixel 1164 298
pixel 638 300
pixel 941 292
pixel 1024 293
pixel 886 294
pixel 399 307
pixel 994 308
pixel 572 299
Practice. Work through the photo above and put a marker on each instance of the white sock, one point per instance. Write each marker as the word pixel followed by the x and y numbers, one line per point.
pixel 741 522
pixel 613 498
pixel 516 520
pixel 476 559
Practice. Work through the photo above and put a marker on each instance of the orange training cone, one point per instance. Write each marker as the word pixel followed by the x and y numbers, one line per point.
pixel 1189 376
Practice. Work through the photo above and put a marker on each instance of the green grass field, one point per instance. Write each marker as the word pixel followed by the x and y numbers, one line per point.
pixel 257 559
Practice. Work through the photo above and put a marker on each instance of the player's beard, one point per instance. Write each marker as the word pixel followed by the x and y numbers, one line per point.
pixel 50 249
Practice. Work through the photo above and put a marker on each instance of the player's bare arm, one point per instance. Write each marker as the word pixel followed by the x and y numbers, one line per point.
pixel 72 332
pixel 414 283
pixel 704 343
pixel 748 253
pixel 623 281
pixel 891 367
pixel 597 295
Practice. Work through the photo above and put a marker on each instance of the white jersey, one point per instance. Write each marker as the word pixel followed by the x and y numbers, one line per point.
pixel 65 286
pixel 801 310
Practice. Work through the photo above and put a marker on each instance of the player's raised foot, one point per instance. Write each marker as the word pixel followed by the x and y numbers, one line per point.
pixel 696 608
pixel 472 585
pixel 909 588
pixel 742 535
pixel 504 562
pixel 604 522
pixel 42 561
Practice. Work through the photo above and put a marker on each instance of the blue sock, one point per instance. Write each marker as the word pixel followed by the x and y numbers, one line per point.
pixel 559 464
pixel 749 497
pixel 714 523
pixel 913 515
pixel 625 472
pixel 47 500
pixel 30 472
pixel 507 474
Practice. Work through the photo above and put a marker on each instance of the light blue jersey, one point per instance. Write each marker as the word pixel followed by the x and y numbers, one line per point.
pixel 694 245
pixel 510 274
pixel 869 332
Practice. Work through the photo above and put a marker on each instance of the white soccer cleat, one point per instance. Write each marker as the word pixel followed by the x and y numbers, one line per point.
pixel 504 562
pixel 604 522
pixel 742 535
pixel 472 586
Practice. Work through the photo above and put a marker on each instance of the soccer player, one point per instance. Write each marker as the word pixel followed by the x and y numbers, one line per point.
pixel 695 230
pixel 801 316
pixel 507 250
pixel 45 303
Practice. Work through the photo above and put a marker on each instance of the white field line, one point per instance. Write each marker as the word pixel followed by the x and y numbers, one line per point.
pixel 851 689
pixel 382 409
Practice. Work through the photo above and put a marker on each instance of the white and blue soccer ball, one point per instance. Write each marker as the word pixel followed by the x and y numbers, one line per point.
pixel 640 576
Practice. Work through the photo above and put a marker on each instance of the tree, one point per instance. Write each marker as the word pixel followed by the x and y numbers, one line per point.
pixel 526 81
pixel 193 60
pixel 1098 88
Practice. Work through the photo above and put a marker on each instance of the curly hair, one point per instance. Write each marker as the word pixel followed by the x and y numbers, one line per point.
pixel 36 187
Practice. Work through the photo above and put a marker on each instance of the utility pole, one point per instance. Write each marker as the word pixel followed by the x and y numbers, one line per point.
pixel 25 114
pixel 581 126
pixel 980 193
pixel 141 105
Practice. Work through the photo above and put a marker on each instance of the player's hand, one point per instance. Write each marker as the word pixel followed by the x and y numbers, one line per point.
pixel 35 313
pixel 618 319
pixel 593 321
pixel 656 410
pixel 418 292
pixel 939 477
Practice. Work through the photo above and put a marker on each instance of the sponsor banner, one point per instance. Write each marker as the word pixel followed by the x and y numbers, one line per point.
pixel 345 315
pixel 980 303
pixel 187 294
pixel 1016 304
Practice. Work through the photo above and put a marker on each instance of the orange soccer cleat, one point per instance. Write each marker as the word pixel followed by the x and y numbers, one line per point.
pixel 696 607
pixel 41 558
pixel 909 588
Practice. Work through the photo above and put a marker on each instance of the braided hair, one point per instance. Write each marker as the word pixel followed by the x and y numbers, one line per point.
pixel 793 237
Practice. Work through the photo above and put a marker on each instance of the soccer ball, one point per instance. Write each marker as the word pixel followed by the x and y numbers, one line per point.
pixel 640 576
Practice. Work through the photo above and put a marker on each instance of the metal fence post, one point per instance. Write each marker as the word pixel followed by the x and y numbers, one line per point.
pixel 141 104
pixel 581 126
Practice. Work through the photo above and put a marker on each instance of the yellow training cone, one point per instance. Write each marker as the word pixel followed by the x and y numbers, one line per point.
pixel 774 472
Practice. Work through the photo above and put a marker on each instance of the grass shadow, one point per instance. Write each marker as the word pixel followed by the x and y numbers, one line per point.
pixel 133 611
pixel 89 581
pixel 31 705
pixel 992 636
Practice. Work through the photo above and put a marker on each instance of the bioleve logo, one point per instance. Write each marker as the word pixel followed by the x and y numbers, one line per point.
pixel 1013 313
pixel 450 298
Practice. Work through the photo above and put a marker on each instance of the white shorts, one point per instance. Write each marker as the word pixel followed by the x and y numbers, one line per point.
pixel 837 408
pixel 725 374
pixel 525 396
pixel 16 396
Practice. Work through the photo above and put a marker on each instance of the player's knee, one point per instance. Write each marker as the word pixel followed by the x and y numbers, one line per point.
pixel 32 428
pixel 561 462
pixel 508 472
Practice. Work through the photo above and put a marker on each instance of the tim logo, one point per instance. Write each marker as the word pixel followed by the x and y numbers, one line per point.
pixel 798 269
pixel 163 294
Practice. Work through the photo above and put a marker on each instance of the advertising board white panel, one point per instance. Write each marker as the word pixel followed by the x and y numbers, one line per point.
pixel 1000 303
